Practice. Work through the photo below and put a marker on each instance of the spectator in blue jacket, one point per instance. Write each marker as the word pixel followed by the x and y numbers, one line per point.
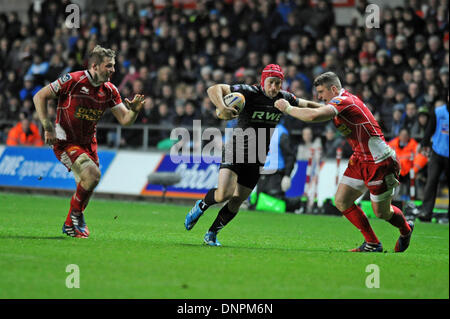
pixel 29 88
pixel 436 135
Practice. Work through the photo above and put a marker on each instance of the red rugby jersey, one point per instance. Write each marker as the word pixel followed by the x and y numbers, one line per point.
pixel 81 105
pixel 357 124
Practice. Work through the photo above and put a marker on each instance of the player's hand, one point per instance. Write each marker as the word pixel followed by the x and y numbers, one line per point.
pixel 228 113
pixel 50 137
pixel 137 103
pixel 282 105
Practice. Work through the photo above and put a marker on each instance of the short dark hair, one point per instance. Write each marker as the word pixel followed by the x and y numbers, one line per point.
pixel 98 54
pixel 328 79
pixel 404 128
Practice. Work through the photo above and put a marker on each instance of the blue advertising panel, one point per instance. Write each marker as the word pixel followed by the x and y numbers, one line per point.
pixel 200 174
pixel 298 180
pixel 39 167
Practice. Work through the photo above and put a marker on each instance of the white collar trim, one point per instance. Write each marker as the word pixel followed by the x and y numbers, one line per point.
pixel 90 79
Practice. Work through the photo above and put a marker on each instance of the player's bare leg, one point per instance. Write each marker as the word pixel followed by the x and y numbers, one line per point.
pixel 227 213
pixel 385 210
pixel 346 196
pixel 226 184
pixel 345 201
pixel 88 172
pixel 87 176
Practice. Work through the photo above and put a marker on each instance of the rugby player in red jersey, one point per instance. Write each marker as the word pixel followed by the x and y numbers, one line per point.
pixel 83 97
pixel 372 166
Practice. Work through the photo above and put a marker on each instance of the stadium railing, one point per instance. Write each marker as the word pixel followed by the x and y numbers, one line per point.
pixel 141 133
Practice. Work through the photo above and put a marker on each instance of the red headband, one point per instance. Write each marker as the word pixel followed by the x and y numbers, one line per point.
pixel 271 70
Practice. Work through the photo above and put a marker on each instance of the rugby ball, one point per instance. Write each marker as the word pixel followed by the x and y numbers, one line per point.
pixel 235 100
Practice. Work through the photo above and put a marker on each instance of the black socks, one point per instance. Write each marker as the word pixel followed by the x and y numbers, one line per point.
pixel 208 200
pixel 223 218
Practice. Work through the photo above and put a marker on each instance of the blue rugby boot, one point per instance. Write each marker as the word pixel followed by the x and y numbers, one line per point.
pixel 193 216
pixel 211 239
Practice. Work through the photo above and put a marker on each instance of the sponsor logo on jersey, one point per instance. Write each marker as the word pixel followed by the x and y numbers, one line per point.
pixel 266 116
pixel 344 129
pixel 65 78
pixel 85 113
pixel 84 90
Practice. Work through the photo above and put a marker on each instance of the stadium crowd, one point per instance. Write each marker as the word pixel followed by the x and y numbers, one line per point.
pixel 172 54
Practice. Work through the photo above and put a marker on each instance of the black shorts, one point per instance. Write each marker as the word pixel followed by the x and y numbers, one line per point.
pixel 248 174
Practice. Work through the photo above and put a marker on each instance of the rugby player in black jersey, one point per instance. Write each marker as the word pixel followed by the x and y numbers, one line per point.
pixel 243 156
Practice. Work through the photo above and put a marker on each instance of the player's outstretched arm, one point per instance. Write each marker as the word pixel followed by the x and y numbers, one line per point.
pixel 126 115
pixel 216 94
pixel 319 114
pixel 40 103
pixel 309 104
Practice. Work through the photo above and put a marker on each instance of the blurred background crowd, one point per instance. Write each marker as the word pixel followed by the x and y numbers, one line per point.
pixel 172 54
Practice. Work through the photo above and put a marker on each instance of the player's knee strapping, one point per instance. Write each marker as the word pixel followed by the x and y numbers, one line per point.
pixel 83 164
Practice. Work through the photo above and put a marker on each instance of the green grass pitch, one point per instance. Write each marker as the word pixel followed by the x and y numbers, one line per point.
pixel 141 250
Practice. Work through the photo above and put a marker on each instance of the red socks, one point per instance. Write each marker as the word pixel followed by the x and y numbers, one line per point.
pixel 357 217
pixel 79 201
pixel 398 220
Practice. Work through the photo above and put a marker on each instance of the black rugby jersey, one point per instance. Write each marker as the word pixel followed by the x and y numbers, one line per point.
pixel 255 125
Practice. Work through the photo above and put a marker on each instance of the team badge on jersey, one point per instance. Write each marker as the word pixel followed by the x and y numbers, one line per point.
pixel 336 100
pixel 65 78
